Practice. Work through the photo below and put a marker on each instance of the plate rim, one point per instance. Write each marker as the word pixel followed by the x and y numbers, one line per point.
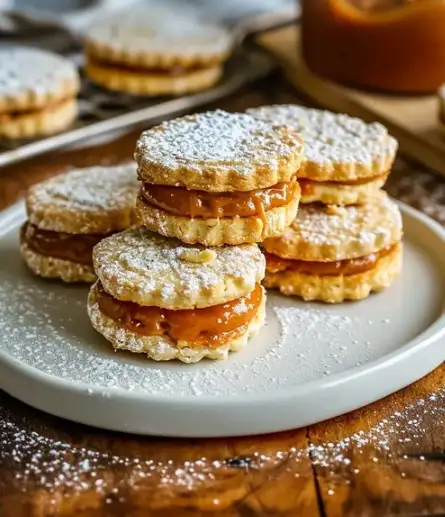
pixel 430 335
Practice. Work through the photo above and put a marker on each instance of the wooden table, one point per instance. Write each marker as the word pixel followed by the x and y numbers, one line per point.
pixel 385 460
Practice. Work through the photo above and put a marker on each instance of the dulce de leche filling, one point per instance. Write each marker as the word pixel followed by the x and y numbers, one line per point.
pixel 76 248
pixel 173 71
pixel 8 116
pixel 275 264
pixel 207 205
pixel 307 185
pixel 212 326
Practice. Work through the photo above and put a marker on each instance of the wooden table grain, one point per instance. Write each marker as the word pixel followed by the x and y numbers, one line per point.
pixel 387 459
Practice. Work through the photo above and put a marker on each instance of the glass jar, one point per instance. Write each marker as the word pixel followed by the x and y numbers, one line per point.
pixel 392 45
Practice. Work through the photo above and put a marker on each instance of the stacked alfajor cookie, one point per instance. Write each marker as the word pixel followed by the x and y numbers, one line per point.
pixel 151 51
pixel 346 239
pixel 213 185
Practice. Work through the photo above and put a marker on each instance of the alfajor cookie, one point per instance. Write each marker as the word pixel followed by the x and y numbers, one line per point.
pixel 218 178
pixel 156 52
pixel 68 215
pixel 334 254
pixel 174 301
pixel 38 92
pixel 346 160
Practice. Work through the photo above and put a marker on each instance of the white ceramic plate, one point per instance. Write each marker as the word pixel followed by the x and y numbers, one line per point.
pixel 311 362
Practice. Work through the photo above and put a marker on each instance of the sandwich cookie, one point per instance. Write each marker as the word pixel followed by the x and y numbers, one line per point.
pixel 334 254
pixel 346 160
pixel 37 92
pixel 68 215
pixel 218 178
pixel 168 300
pixel 156 52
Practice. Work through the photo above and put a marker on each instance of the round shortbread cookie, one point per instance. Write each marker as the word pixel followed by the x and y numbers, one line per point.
pixel 85 201
pixel 45 121
pixel 329 233
pixel 218 151
pixel 341 193
pixel 137 83
pixel 163 348
pixel 337 147
pixel 50 267
pixel 218 231
pixel 139 266
pixel 157 37
pixel 336 289
pixel 32 79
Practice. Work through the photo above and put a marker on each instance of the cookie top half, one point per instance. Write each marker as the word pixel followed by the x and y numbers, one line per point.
pixel 337 147
pixel 158 37
pixel 329 233
pixel 142 267
pixel 218 151
pixel 31 78
pixel 86 201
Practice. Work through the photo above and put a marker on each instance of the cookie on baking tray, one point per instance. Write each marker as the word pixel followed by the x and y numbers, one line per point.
pixel 346 160
pixel 175 301
pixel 218 178
pixel 68 215
pixel 38 92
pixel 154 51
pixel 334 254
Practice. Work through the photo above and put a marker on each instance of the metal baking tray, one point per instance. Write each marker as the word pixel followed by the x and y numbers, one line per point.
pixel 102 112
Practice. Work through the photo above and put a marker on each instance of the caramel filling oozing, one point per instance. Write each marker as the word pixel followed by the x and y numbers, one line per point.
pixel 307 185
pixel 207 205
pixel 212 326
pixel 76 248
pixel 275 264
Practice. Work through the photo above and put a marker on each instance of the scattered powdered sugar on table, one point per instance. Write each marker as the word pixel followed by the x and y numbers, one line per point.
pixel 62 468
pixel 233 142
pixel 331 138
pixel 31 70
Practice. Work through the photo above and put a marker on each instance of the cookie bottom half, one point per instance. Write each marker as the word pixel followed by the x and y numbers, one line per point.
pixel 218 231
pixel 336 289
pixel 51 267
pixel 163 348
pixel 140 83
pixel 45 121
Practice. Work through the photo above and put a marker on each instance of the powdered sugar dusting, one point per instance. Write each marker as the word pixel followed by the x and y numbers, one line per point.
pixel 331 138
pixel 153 267
pixel 91 189
pixel 233 142
pixel 31 70
pixel 338 233
pixel 155 29
pixel 362 223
